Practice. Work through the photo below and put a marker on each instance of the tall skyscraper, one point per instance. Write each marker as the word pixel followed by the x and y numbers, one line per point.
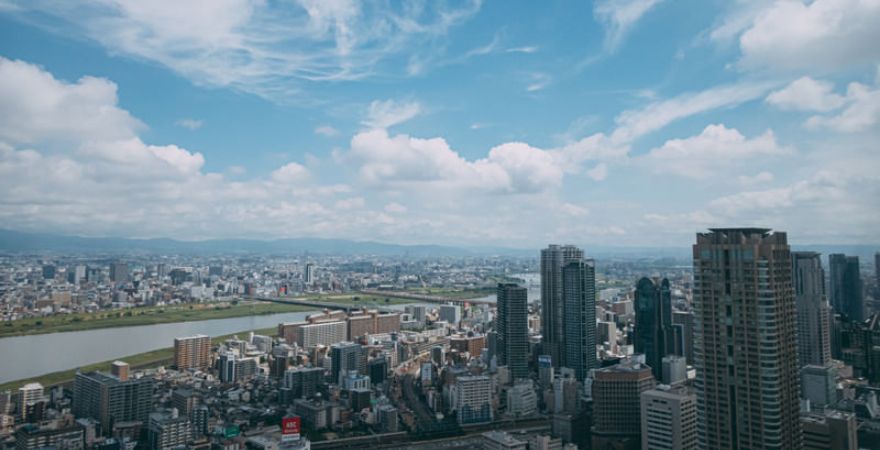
pixel 578 347
pixel 746 356
pixel 653 330
pixel 813 310
pixel 512 328
pixel 553 259
pixel 845 283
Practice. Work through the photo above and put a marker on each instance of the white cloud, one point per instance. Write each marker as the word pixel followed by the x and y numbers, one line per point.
pixel 291 173
pixel 384 114
pixel 716 150
pixel 635 123
pixel 395 208
pixel 619 17
pixel 266 48
pixel 327 130
pixel 190 124
pixel 538 81
pixel 862 111
pixel 822 35
pixel 37 107
pixel 524 49
pixel 758 178
pixel 806 94
pixel 598 173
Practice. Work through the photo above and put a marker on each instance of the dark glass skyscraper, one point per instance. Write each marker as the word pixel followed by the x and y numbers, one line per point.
pixel 653 333
pixel 578 347
pixel 513 329
pixel 748 385
pixel 553 259
pixel 845 286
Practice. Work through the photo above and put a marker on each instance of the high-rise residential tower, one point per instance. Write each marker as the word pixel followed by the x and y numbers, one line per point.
pixel 845 286
pixel 110 400
pixel 553 259
pixel 746 353
pixel 578 347
pixel 512 328
pixel 813 310
pixel 653 331
pixel 193 352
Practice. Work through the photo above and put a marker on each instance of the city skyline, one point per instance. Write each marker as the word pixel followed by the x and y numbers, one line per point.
pixel 192 123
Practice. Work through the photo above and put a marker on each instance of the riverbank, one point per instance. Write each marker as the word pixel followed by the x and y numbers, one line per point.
pixel 141 316
pixel 146 360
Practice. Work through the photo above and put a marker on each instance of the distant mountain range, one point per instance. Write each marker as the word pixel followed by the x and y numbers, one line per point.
pixel 19 241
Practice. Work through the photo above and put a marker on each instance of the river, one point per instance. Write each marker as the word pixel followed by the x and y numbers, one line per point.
pixel 29 356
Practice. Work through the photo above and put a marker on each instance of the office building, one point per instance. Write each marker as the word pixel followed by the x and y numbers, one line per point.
pixel 522 401
pixel 845 286
pixel 830 430
pixel 553 259
pixel 48 272
pixel 683 330
pixel 451 314
pixel 110 399
pixel 748 385
pixel 813 310
pixel 511 324
pixel 617 407
pixel 674 369
pixel 669 418
pixel 474 345
pixel 473 400
pixel 653 333
pixel 309 275
pixel 819 385
pixel 184 400
pixel 119 272
pixel 347 356
pixel 388 420
pixel 192 352
pixel 578 347
pixel 303 382
pixel 500 440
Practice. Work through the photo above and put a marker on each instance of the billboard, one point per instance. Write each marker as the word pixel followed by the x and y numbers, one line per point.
pixel 544 361
pixel 231 431
pixel 290 427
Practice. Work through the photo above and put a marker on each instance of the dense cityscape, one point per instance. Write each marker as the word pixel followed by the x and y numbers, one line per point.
pixel 439 224
pixel 556 351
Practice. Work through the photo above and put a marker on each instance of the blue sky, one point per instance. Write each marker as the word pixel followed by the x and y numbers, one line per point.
pixel 630 122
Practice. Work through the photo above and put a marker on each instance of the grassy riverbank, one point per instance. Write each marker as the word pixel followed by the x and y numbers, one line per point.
pixel 141 316
pixel 367 300
pixel 155 358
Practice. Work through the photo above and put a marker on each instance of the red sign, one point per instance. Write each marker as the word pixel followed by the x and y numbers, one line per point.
pixel 290 425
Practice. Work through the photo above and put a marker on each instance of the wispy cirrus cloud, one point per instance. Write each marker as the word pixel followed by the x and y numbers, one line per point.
pixel 271 50
pixel 618 17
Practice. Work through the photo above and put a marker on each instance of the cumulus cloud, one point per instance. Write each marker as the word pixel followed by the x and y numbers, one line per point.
pixel 821 36
pixel 862 111
pixel 716 149
pixel 806 94
pixel 292 172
